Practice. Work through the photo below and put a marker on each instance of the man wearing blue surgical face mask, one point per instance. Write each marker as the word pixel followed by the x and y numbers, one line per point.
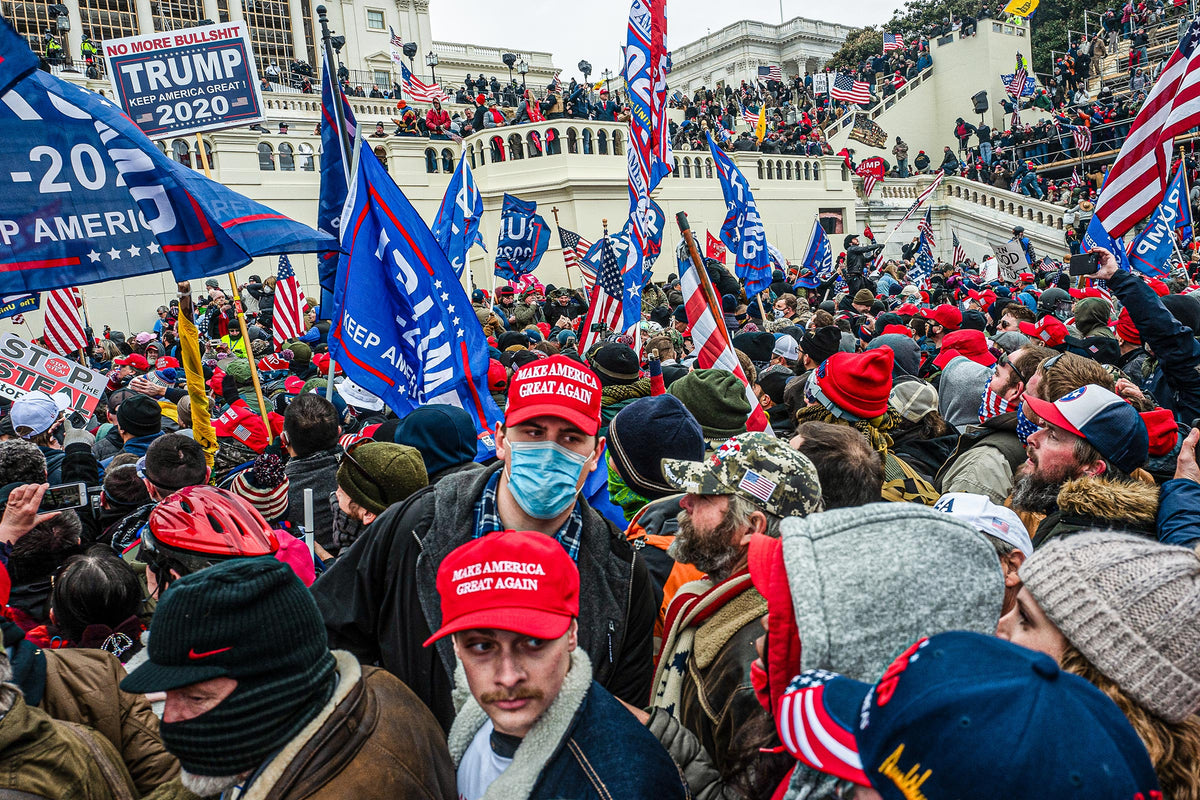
pixel 380 599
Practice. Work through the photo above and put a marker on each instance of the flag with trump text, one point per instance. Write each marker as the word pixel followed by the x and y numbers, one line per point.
pixel 524 236
pixel 1138 178
pixel 456 226
pixel 1151 250
pixel 404 328
pixel 713 349
pixel 742 232
pixel 90 198
pixel 818 257
pixel 335 178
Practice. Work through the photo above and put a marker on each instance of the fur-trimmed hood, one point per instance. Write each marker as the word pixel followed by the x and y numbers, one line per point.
pixel 539 745
pixel 1122 503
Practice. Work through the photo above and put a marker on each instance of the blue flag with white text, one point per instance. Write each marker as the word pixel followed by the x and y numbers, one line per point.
pixel 818 257
pixel 90 198
pixel 403 327
pixel 335 181
pixel 742 232
pixel 1097 236
pixel 524 236
pixel 1151 251
pixel 456 227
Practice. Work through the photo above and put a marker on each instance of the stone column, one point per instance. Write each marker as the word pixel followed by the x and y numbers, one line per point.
pixel 145 15
pixel 299 31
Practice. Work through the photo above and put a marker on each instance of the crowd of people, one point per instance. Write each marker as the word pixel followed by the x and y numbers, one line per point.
pixel 943 521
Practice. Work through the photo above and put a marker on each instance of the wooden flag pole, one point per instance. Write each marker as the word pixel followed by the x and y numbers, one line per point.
pixel 241 317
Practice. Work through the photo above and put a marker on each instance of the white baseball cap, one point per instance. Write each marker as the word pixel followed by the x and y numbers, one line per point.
pixel 986 517
pixel 787 348
pixel 38 411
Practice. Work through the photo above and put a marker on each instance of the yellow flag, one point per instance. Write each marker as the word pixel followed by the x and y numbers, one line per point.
pixel 1022 8
pixel 760 130
pixel 189 354
pixel 599 85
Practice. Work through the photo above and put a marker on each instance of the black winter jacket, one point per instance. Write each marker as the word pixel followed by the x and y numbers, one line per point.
pixel 380 599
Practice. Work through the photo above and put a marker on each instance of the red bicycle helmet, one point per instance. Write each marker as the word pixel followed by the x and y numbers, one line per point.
pixel 202 525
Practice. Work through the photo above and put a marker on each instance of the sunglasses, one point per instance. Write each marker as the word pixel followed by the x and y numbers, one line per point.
pixel 1005 361
pixel 1049 363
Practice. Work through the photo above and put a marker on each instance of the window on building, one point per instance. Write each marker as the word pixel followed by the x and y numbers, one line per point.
pixel 831 220
pixel 104 20
pixel 447 161
pixel 431 158
pixel 287 158
pixel 266 157
pixel 306 157
pixel 270 25
pixel 375 20
pixel 381 154
pixel 173 15
pixel 181 152
pixel 382 78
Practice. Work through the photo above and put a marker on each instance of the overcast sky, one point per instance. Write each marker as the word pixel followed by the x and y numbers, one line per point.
pixel 594 30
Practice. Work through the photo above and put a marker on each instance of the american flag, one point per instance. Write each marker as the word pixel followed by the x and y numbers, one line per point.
pixel 397 42
pixel 812 734
pixel 773 73
pixel 898 81
pixel 850 90
pixel 892 41
pixel 921 198
pixel 713 350
pixel 925 226
pixel 1083 138
pixel 751 117
pixel 574 248
pixel 63 331
pixel 757 485
pixel 1017 83
pixel 421 92
pixel 1138 179
pixel 556 82
pixel 288 317
pixel 606 308
pixel 959 255
pixel 1075 179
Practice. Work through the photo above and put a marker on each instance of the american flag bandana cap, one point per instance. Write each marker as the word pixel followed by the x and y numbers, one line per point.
pixel 759 467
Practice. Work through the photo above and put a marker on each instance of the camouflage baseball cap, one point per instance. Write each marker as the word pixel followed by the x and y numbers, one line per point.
pixel 760 468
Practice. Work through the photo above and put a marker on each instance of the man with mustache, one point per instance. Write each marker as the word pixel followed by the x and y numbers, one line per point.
pixel 536 725
pixel 750 485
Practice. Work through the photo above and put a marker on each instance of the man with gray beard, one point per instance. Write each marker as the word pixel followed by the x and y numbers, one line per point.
pixel 258 706
pixel 749 486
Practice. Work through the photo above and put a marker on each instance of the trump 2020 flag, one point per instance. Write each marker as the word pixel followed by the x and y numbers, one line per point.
pixel 403 327
pixel 742 231
pixel 524 236
pixel 335 179
pixel 1097 236
pixel 90 198
pixel 1151 250
pixel 456 227
pixel 818 256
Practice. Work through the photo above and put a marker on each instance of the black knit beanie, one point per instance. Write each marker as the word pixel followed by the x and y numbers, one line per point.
pixel 250 619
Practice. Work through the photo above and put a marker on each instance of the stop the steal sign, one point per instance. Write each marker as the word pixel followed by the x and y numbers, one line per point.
pixel 25 368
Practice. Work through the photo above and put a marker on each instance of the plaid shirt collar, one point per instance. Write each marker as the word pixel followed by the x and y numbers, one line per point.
pixel 487 519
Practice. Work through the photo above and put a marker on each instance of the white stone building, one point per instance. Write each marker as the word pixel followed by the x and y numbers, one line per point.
pixel 735 52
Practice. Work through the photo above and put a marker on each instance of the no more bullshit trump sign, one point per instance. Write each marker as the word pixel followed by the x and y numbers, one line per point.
pixel 199 79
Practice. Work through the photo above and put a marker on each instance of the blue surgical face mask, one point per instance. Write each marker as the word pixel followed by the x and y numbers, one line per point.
pixel 1025 426
pixel 543 476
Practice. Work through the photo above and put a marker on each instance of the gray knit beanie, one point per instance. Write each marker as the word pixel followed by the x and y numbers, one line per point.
pixel 1131 606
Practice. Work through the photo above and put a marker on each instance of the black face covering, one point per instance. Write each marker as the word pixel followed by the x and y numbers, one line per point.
pixel 257 719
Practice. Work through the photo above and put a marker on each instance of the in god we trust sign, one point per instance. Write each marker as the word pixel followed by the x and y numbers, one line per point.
pixel 188 81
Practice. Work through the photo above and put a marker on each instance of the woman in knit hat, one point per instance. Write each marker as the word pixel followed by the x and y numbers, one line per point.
pixel 852 389
pixel 1123 612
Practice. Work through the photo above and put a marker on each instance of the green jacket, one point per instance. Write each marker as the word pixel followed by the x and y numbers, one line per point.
pixel 58 760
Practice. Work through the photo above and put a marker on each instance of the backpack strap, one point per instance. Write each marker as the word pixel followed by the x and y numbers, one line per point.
pixel 111 772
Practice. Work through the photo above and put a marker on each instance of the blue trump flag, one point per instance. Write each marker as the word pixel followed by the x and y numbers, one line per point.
pixel 335 180
pixel 742 232
pixel 90 198
pixel 1151 250
pixel 817 264
pixel 403 327
pixel 456 227
pixel 524 236
pixel 1097 236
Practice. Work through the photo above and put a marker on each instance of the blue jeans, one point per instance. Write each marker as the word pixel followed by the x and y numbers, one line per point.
pixel 985 152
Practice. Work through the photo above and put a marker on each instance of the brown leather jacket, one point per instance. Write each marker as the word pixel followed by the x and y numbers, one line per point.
pixel 373 740
pixel 82 686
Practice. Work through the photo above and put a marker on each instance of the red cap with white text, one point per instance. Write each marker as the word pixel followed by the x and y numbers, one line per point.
pixel 520 581
pixel 555 387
